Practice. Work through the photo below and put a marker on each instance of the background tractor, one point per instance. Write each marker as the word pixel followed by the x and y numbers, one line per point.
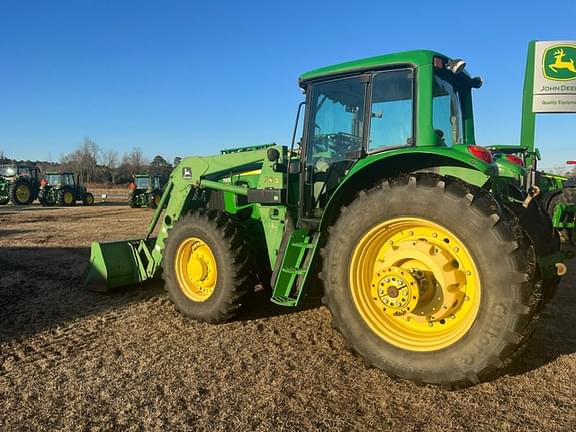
pixel 145 190
pixel 63 189
pixel 19 184
pixel 512 161
pixel 429 260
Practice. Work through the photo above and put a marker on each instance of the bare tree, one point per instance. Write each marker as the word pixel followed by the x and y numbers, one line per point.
pixel 110 158
pixel 83 160
pixel 135 160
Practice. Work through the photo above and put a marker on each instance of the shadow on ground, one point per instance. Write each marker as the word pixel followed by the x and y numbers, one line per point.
pixel 42 288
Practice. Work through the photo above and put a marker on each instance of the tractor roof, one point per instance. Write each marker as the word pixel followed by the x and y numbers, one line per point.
pixel 60 173
pixel 416 57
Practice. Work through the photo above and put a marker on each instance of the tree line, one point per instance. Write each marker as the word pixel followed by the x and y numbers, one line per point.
pixel 97 165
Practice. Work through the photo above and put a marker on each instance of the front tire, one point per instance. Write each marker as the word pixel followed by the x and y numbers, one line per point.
pixel 428 279
pixel 206 267
pixel 88 199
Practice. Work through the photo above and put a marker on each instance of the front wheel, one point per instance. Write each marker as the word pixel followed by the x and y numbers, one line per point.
pixel 427 279
pixel 206 267
pixel 88 199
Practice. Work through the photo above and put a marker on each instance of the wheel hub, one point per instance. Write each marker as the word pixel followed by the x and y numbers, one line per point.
pixel 196 269
pixel 396 289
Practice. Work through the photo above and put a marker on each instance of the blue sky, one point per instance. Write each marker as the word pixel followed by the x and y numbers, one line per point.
pixel 180 78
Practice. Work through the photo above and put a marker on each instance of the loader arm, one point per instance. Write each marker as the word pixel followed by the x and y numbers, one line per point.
pixel 114 264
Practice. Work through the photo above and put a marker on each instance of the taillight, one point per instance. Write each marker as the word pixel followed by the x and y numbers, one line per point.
pixel 571 162
pixel 515 160
pixel 481 153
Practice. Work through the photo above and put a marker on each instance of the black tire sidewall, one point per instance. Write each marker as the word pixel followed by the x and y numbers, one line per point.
pixel 201 229
pixel 484 340
pixel 14 196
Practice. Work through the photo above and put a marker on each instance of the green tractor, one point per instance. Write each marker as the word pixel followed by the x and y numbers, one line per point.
pixel 63 189
pixel 428 265
pixel 145 190
pixel 512 160
pixel 19 184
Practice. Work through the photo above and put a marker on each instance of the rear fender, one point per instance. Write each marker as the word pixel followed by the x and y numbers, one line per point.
pixel 368 172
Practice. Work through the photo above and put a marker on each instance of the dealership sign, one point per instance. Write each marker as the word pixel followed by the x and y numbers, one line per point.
pixel 555 77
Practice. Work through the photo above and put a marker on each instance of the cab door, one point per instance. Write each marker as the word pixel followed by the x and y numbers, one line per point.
pixel 334 139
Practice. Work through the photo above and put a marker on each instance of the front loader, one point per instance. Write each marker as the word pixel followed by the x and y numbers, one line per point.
pixel 427 266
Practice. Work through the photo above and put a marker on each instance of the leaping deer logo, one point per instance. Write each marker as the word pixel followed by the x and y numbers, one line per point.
pixel 561 64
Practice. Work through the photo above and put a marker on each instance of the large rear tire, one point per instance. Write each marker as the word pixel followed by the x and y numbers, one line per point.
pixel 132 200
pixel 66 197
pixel 206 267
pixel 428 279
pixel 46 198
pixel 537 224
pixel 21 193
pixel 153 200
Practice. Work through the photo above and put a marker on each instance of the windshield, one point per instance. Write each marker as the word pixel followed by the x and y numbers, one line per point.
pixel 53 179
pixel 447 110
pixel 337 119
pixel 142 182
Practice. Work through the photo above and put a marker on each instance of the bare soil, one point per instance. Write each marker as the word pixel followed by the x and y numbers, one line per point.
pixel 76 360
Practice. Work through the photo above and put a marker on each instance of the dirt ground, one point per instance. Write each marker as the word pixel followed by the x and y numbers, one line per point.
pixel 71 359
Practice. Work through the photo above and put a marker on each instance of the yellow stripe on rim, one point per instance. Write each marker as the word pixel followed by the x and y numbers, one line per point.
pixel 196 269
pixel 415 284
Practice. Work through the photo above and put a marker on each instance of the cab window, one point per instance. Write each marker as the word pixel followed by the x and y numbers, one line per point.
pixel 391 117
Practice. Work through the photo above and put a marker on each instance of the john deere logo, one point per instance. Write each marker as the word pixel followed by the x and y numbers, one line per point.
pixel 558 63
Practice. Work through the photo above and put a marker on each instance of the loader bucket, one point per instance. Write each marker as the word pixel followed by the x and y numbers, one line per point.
pixel 112 265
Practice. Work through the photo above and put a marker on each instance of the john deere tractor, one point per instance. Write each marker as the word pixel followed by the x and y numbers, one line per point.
pixel 63 189
pixel 19 184
pixel 429 267
pixel 512 161
pixel 145 190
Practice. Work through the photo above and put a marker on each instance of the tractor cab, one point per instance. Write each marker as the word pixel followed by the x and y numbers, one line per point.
pixel 359 110
pixel 144 182
pixel 61 179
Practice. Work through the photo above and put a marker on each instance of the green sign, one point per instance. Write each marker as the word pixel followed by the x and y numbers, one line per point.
pixel 558 62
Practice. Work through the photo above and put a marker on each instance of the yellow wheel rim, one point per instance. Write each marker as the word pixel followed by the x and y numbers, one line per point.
pixel 90 199
pixel 23 193
pixel 68 197
pixel 196 269
pixel 415 284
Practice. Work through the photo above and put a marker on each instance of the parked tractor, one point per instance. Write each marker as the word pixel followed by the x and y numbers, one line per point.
pixel 145 190
pixel 63 189
pixel 512 162
pixel 19 184
pixel 430 265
